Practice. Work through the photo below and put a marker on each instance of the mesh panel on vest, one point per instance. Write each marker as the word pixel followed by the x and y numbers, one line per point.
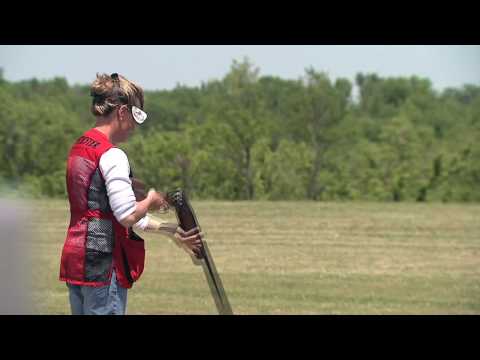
pixel 97 265
pixel 97 193
pixel 99 249
pixel 100 235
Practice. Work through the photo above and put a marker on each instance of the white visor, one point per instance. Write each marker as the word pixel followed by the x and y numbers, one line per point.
pixel 139 115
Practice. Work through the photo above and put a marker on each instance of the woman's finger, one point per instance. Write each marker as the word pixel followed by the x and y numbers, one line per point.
pixel 193 231
pixel 195 239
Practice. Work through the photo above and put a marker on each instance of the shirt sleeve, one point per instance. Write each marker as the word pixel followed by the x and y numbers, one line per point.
pixel 142 223
pixel 115 169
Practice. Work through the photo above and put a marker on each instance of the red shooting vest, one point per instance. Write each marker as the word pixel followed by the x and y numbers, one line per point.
pixel 96 242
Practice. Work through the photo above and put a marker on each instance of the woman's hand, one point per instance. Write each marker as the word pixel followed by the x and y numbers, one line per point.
pixel 190 241
pixel 158 200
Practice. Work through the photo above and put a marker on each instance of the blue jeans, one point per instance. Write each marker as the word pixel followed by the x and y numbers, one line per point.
pixel 104 300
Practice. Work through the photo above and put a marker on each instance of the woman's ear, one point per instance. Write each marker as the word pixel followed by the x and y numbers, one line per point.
pixel 122 112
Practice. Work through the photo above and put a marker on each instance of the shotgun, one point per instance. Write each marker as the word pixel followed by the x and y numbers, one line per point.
pixel 187 221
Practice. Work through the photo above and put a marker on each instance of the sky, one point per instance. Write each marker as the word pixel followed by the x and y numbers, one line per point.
pixel 157 67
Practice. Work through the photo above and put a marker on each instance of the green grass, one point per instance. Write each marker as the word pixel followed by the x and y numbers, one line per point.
pixel 296 258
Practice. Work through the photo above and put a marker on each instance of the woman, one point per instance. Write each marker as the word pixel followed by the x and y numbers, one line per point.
pixel 102 257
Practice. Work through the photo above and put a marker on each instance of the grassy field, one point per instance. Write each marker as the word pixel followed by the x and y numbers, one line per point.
pixel 296 258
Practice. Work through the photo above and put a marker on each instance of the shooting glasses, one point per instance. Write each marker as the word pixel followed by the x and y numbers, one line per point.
pixel 138 114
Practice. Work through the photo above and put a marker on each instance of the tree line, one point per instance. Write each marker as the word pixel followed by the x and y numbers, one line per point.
pixel 253 137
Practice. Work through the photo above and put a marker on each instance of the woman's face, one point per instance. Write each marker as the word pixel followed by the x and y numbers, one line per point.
pixel 124 124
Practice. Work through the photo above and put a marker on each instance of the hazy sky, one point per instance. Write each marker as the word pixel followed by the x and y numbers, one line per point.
pixel 163 66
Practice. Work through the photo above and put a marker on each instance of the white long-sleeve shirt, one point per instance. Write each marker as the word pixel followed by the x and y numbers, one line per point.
pixel 115 169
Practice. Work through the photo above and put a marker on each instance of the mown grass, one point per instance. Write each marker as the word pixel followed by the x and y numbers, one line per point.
pixel 295 258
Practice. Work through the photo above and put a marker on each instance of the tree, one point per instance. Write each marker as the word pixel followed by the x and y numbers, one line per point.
pixel 282 174
pixel 319 108
pixel 242 119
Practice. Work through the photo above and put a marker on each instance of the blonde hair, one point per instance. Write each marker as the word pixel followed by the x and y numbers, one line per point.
pixel 109 91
